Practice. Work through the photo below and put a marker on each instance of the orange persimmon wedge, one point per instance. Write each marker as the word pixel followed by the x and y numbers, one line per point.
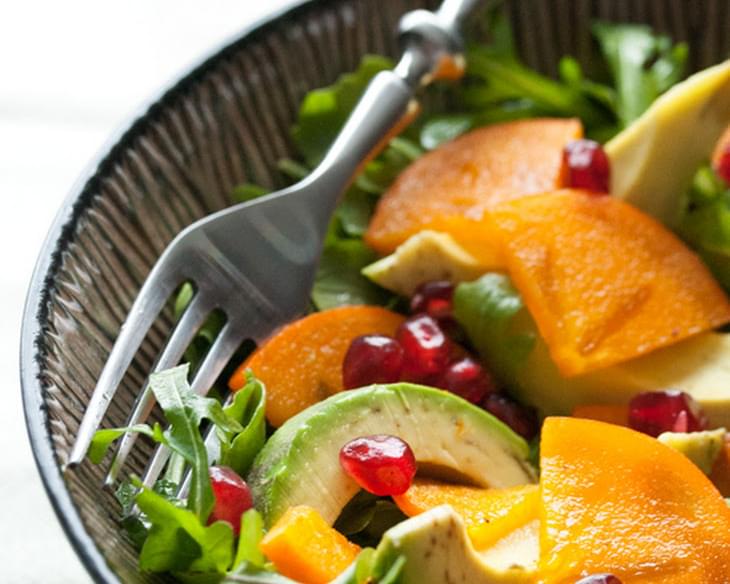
pixel 489 514
pixel 617 501
pixel 305 548
pixel 604 282
pixel 610 414
pixel 301 364
pixel 450 188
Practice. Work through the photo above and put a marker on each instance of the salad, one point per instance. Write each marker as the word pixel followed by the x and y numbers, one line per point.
pixel 514 369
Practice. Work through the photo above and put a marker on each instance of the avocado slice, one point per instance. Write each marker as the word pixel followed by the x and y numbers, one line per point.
pixel 702 448
pixel 424 257
pixel 654 159
pixel 491 311
pixel 299 465
pixel 437 549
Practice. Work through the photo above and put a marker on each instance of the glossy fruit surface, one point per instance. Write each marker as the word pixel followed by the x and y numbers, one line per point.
pixel 654 412
pixel 372 359
pixel 380 464
pixel 232 496
pixel 616 501
pixel 587 166
pixel 468 379
pixel 433 298
pixel 426 349
pixel 522 419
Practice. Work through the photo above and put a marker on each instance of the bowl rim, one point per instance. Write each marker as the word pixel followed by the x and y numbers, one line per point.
pixel 49 260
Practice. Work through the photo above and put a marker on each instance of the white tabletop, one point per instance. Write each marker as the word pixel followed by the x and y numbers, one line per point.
pixel 70 73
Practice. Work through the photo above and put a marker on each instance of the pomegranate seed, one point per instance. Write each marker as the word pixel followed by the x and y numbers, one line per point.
pixel 381 464
pixel 521 419
pixel 426 349
pixel 654 412
pixel 468 379
pixel 232 496
pixel 588 166
pixel 434 298
pixel 372 359
pixel 722 168
pixel 599 579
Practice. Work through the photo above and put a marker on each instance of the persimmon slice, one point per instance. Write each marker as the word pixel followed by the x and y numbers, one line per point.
pixel 489 514
pixel 450 188
pixel 604 282
pixel 617 501
pixel 301 364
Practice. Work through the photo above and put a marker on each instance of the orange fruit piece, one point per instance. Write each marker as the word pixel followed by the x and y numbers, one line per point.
pixel 301 364
pixel 450 188
pixel 610 414
pixel 617 501
pixel 305 548
pixel 604 282
pixel 489 514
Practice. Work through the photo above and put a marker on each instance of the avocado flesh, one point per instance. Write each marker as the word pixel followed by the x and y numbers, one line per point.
pixel 299 465
pixel 437 549
pixel 702 448
pixel 424 257
pixel 654 159
pixel 699 365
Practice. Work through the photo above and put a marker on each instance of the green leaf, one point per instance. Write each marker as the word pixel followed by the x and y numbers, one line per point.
pixel 324 111
pixel 103 439
pixel 184 410
pixel 339 281
pixel 494 317
pixel 248 192
pixel 178 541
pixel 443 128
pixel 643 65
pixel 251 534
pixel 248 408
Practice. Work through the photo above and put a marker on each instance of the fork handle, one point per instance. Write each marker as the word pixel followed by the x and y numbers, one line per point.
pixel 432 50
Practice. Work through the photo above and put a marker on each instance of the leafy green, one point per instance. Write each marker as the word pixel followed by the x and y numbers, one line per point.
pixel 325 110
pixel 366 517
pixel 339 280
pixel 251 534
pixel 239 449
pixel 103 439
pixel 178 541
pixel 184 409
pixel 494 317
pixel 643 65
pixel 247 192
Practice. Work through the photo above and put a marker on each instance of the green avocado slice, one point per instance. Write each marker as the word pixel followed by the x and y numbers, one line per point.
pixel 299 465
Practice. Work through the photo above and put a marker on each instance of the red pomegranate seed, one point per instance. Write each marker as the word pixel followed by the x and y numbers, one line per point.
pixel 232 496
pixel 523 420
pixel 372 359
pixel 588 166
pixel 654 412
pixel 426 349
pixel 381 464
pixel 722 167
pixel 434 298
pixel 599 579
pixel 468 379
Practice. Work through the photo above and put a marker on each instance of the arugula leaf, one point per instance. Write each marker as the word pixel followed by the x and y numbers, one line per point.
pixel 251 534
pixel 247 192
pixel 239 449
pixel 185 410
pixel 103 439
pixel 339 280
pixel 643 65
pixel 494 317
pixel 178 541
pixel 324 111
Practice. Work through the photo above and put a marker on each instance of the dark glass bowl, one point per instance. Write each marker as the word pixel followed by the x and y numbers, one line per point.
pixel 225 123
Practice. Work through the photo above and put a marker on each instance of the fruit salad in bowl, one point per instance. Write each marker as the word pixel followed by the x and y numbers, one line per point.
pixel 514 369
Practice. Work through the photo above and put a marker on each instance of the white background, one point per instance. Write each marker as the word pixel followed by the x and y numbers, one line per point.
pixel 70 73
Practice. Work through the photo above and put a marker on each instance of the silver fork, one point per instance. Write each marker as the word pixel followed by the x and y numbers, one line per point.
pixel 256 261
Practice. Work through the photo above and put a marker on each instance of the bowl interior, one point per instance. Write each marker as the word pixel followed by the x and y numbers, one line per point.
pixel 226 123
